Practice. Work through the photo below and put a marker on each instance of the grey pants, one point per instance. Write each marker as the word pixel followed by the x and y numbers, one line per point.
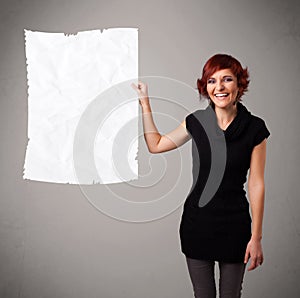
pixel 202 275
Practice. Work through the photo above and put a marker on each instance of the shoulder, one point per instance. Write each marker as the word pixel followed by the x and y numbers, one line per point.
pixel 193 119
pixel 258 129
pixel 257 120
pixel 257 123
pixel 196 113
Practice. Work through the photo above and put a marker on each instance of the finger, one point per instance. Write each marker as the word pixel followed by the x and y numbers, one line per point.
pixel 260 261
pixel 134 86
pixel 252 265
pixel 139 85
pixel 246 257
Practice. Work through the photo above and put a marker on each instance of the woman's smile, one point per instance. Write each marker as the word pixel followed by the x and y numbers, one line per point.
pixel 221 95
pixel 222 88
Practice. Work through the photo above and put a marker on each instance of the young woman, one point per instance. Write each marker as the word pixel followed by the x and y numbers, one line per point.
pixel 222 230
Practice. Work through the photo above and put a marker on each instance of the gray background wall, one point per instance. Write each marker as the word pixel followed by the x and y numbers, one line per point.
pixel 53 243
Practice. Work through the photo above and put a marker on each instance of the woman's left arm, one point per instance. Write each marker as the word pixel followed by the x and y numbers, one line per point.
pixel 256 189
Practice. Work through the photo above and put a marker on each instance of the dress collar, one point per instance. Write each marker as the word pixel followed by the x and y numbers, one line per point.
pixel 237 125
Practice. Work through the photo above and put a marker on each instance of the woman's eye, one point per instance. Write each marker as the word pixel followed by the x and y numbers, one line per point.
pixel 228 79
pixel 210 81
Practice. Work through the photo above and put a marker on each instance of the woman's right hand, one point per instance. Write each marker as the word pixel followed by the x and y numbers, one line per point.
pixel 142 90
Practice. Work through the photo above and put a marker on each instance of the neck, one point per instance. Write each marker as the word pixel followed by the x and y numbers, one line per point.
pixel 225 115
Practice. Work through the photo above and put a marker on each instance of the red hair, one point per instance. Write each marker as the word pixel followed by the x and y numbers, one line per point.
pixel 219 62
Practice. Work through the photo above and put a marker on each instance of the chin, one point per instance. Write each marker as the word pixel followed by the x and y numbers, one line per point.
pixel 222 104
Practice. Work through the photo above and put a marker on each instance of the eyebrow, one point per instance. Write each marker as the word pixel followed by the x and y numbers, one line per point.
pixel 225 76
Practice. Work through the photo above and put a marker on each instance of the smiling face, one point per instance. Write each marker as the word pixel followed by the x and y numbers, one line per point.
pixel 222 88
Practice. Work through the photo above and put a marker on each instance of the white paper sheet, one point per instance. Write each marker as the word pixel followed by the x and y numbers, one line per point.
pixel 66 74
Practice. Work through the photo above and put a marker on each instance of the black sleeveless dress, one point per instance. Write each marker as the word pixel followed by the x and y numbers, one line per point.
pixel 221 229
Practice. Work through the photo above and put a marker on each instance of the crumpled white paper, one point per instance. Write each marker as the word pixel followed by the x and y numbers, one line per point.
pixel 66 73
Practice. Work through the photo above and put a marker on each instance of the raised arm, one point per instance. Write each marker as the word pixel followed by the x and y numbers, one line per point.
pixel 156 142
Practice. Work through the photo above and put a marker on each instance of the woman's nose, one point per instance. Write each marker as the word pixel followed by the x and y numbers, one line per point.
pixel 220 85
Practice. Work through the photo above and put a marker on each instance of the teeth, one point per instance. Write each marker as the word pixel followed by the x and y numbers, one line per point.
pixel 221 94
